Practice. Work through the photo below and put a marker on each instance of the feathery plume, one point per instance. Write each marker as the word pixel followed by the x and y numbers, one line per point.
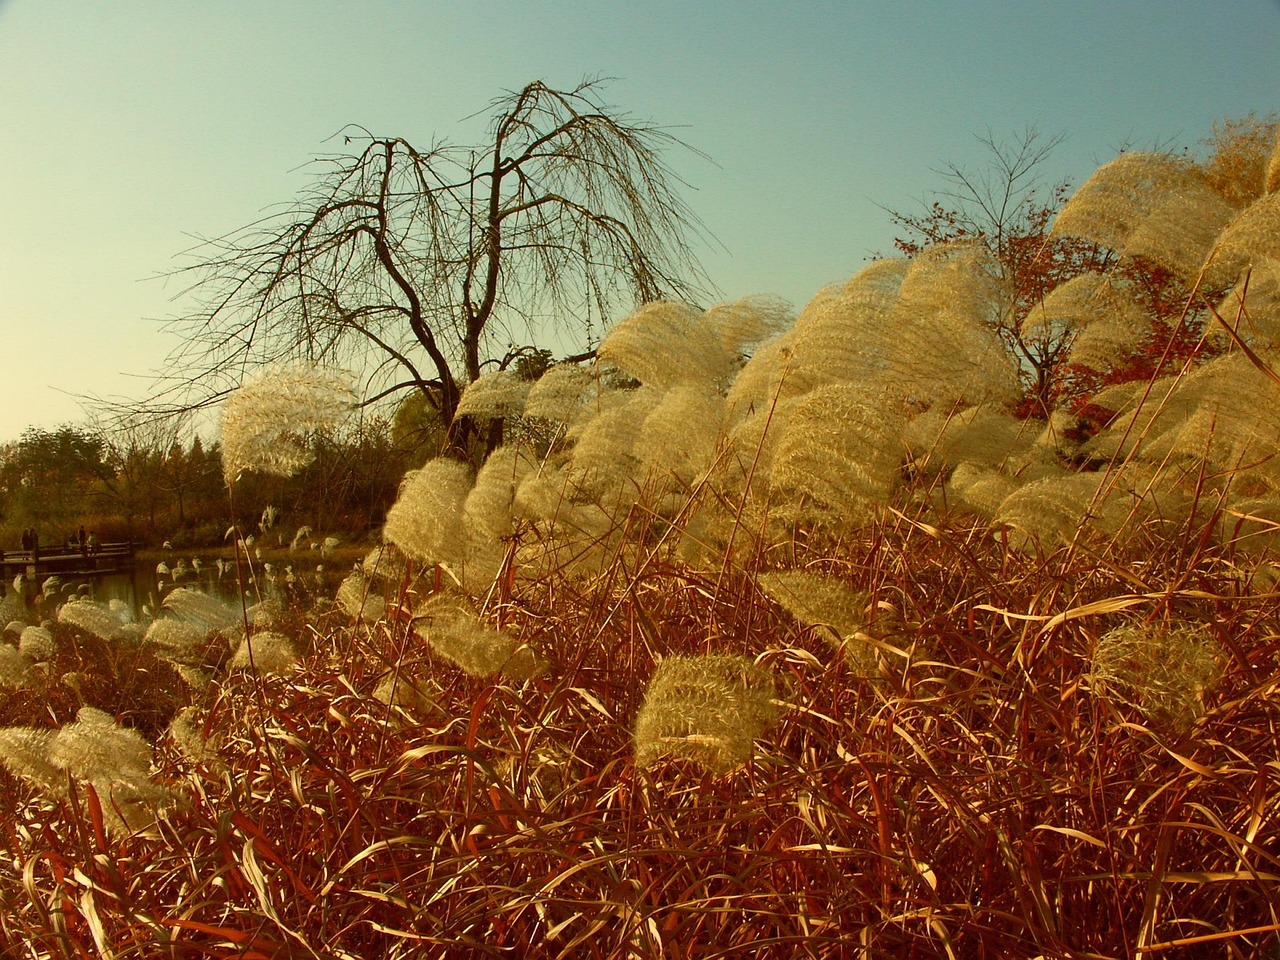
pixel 839 451
pixel 602 466
pixel 94 747
pixel 1162 669
pixel 836 611
pixel 487 508
pixel 980 488
pixel 499 395
pixel 678 437
pixel 91 617
pixel 400 688
pixel 357 601
pixel 1109 324
pixel 664 343
pixel 563 394
pixel 14 668
pixel 709 709
pixel 952 298
pixel 1049 511
pixel 449 623
pixel 200 610
pixel 37 643
pixel 264 422
pixel 426 519
pixel 188 736
pixel 1148 204
pixel 984 434
pixel 1252 308
pixel 271 653
pixel 386 562
pixel 25 751
pixel 174 635
pixel 742 323
pixel 1251 240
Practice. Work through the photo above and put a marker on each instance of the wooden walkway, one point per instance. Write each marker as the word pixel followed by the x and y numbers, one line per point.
pixel 108 558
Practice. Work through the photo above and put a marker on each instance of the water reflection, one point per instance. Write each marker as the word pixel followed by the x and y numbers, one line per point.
pixel 143 588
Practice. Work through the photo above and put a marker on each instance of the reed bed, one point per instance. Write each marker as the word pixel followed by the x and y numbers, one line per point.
pixel 816 652
pixel 970 796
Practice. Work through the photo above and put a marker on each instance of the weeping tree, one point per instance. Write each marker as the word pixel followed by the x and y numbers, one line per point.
pixel 420 267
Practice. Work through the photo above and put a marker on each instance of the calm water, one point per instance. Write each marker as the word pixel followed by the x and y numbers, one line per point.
pixel 143 589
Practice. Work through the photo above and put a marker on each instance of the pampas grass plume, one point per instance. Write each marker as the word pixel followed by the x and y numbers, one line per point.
pixel 709 709
pixel 15 669
pixel 449 623
pixel 357 601
pixel 95 747
pixel 200 610
pixel 37 643
pixel 91 617
pixel 497 395
pixel 265 421
pixel 1163 670
pixel 271 653
pixel 426 519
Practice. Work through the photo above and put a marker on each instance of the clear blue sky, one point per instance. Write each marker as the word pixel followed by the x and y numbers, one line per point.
pixel 128 127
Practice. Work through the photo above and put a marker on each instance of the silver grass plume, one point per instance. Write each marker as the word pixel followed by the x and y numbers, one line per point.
pixel 564 394
pixel 980 488
pixel 486 510
pixel 15 669
pixel 679 436
pixel 940 343
pixel 91 617
pixel 1252 239
pixel 762 378
pixel 1162 669
pixel 37 643
pixel 740 324
pixel 941 437
pixel 426 519
pixel 1252 308
pixel 1228 413
pixel 116 761
pixel 1272 182
pixel 1153 205
pixel 844 335
pixel 450 624
pixel 1136 419
pixel 836 611
pixel 24 752
pixel 499 395
pixel 174 635
pixel 1049 512
pixel 95 747
pixel 1106 322
pixel 487 518
pixel 408 691
pixel 664 343
pixel 602 465
pixel 838 455
pixel 358 601
pixel 265 421
pixel 387 563
pixel 271 653
pixel 709 709
pixel 188 736
pixel 201 610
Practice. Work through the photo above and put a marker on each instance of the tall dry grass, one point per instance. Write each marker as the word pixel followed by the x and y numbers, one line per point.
pixel 932 685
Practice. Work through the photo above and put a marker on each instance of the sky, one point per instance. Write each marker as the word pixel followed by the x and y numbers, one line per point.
pixel 129 130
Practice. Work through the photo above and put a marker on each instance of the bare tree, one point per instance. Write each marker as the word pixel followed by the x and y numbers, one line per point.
pixel 410 265
pixel 1006 205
